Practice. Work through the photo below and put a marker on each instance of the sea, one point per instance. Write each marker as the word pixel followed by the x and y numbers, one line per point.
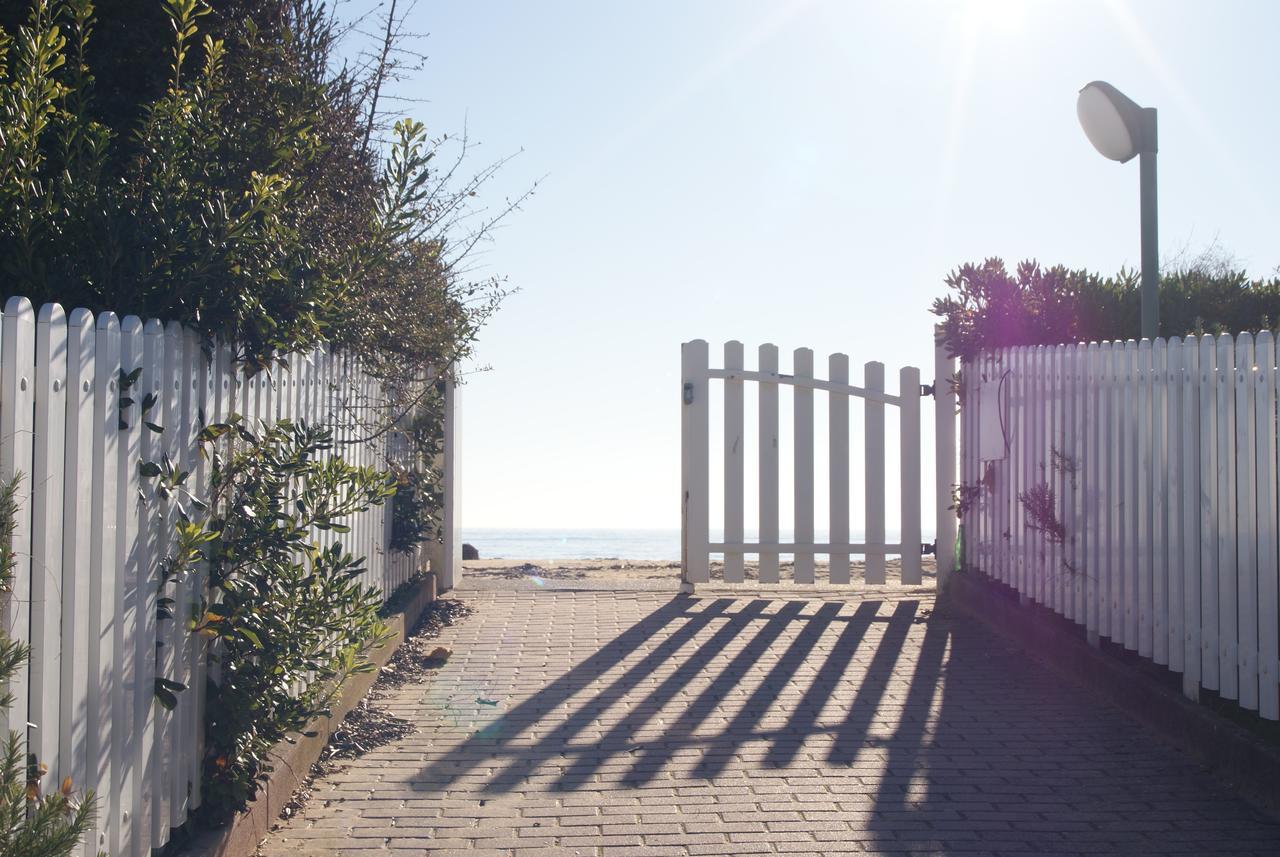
pixel 567 544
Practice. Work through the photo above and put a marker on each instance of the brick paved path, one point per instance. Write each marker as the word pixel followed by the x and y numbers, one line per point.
pixel 646 723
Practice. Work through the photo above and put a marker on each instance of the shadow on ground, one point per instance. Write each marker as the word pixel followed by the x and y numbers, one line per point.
pixel 876 721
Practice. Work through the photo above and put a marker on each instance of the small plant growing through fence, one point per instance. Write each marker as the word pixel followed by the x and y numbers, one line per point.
pixel 32 823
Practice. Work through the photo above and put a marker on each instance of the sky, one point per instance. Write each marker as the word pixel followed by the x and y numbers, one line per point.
pixel 806 174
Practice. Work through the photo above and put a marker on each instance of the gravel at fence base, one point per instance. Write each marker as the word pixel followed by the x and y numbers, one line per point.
pixel 368 725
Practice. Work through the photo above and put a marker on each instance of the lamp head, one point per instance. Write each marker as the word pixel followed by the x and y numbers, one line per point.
pixel 1116 126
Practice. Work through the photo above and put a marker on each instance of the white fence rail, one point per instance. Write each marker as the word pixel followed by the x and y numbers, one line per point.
pixel 1157 465
pixel 697 546
pixel 86 587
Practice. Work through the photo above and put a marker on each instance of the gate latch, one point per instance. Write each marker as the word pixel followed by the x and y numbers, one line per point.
pixel 926 389
pixel 929 549
pixel 688 393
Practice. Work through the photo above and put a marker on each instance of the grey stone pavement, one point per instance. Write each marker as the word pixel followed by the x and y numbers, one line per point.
pixel 758 722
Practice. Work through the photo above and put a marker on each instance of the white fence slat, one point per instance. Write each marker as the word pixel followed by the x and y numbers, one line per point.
pixel 190 374
pixel 148 758
pixel 1012 479
pixel 802 418
pixel 1228 649
pixel 768 560
pixel 168 747
pixel 1146 453
pixel 48 461
pixel 1268 605
pixel 1174 497
pixel 909 394
pixel 735 456
pixel 874 504
pixel 1132 533
pixel 1192 548
pixel 124 770
pixel 1003 482
pixel 1093 492
pixel 1081 452
pixel 695 411
pixel 17 391
pixel 1158 421
pixel 1054 475
pixel 155 761
pixel 1210 426
pixel 76 550
pixel 103 685
pixel 1246 527
pixel 1065 590
pixel 945 450
pixel 838 460
pixel 1119 562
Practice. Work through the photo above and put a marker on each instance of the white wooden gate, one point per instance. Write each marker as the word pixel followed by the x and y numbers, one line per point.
pixel 696 392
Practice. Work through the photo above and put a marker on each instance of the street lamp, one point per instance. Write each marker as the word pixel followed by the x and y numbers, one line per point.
pixel 1119 129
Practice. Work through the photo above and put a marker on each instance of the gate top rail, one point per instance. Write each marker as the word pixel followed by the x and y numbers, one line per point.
pixel 806 382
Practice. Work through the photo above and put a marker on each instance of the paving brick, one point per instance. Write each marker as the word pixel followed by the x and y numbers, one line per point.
pixel 741 723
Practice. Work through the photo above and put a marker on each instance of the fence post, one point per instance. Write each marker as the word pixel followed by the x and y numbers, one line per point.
pixel 695 426
pixel 450 552
pixel 944 399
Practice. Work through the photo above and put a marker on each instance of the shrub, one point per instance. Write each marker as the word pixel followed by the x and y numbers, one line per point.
pixel 989 308
pixel 228 180
pixel 289 620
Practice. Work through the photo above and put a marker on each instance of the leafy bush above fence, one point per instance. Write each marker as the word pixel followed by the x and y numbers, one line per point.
pixel 989 308
pixel 32 823
pixel 291 620
pixel 229 180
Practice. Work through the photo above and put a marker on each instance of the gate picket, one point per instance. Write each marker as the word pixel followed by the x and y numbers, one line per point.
pixel 802 450
pixel 838 457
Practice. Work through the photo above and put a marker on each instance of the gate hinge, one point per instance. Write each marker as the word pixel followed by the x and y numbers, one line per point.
pixel 929 549
pixel 926 389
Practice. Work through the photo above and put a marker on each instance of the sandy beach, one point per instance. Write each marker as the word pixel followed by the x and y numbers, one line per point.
pixel 640 574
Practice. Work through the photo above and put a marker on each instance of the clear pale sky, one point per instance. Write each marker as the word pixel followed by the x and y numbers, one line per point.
pixel 804 173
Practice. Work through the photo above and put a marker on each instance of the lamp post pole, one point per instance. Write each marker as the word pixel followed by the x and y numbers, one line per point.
pixel 1120 129
pixel 1150 229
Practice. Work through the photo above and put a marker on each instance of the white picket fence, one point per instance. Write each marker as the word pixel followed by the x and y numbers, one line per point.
pixel 696 392
pixel 1162 458
pixel 86 586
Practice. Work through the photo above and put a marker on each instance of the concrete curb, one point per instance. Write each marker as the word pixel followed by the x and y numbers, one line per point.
pixel 1248 763
pixel 292 762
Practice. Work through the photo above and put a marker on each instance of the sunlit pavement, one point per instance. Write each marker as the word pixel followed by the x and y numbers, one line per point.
pixel 641 722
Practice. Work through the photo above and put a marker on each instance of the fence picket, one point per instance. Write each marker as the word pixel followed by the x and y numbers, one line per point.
pixel 910 538
pixel 1143 493
pixel 696 413
pixel 1192 549
pixel 1094 493
pixel 17 389
pixel 1246 636
pixel 1210 535
pixel 1268 590
pixel 802 451
pixel 1171 416
pixel 76 551
pixel 48 461
pixel 768 363
pixel 1228 651
pixel 873 507
pixel 838 459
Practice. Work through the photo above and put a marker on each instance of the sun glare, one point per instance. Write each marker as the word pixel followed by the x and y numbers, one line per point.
pixel 1001 17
